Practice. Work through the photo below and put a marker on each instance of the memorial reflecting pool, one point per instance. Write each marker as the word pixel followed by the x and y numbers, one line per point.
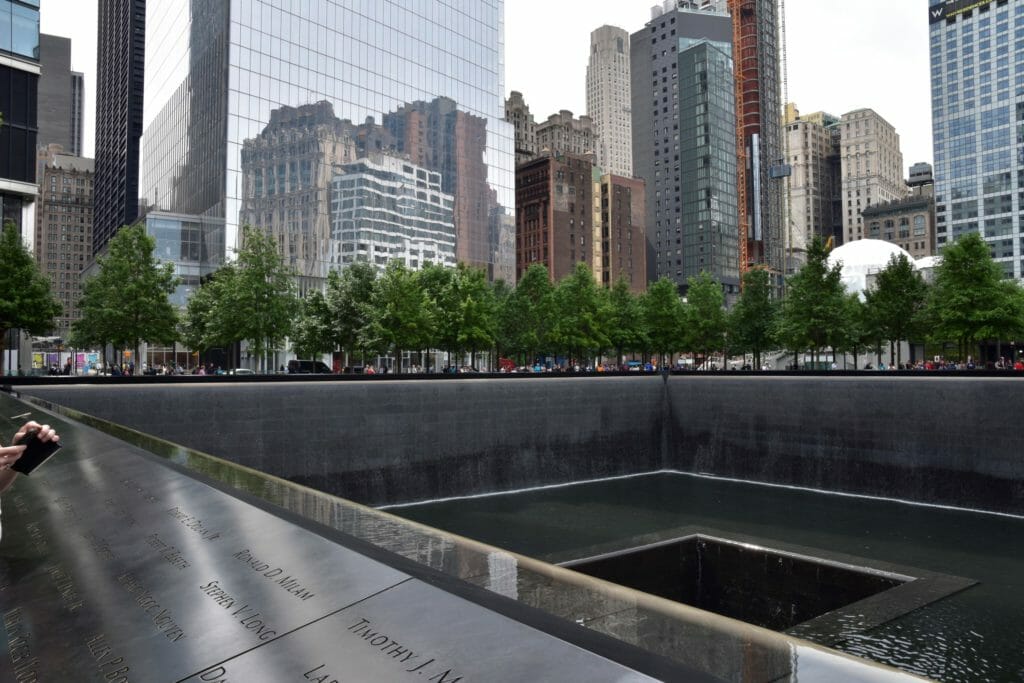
pixel 973 635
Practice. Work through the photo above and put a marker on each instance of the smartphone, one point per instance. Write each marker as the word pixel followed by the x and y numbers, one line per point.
pixel 36 452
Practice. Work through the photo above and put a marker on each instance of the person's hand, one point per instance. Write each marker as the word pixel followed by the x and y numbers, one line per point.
pixel 10 454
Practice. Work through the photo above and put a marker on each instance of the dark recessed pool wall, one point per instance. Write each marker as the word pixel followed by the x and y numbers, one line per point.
pixel 944 440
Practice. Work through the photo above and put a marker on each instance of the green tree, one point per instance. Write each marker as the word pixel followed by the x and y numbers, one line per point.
pixel 704 315
pixel 348 298
pixel 578 326
pixel 439 285
pixel 624 325
pixel 664 318
pixel 813 308
pixel 752 323
pixel 970 301
pixel 128 301
pixel 258 302
pixel 25 299
pixel 859 331
pixel 196 323
pixel 312 334
pixel 501 293
pixel 526 318
pixel 401 316
pixel 476 319
pixel 896 302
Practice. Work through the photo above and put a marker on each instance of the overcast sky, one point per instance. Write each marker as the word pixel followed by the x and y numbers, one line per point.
pixel 842 56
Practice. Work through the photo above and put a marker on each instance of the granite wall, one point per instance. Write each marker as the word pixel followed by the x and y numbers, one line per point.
pixel 379 442
pixel 934 439
pixel 946 440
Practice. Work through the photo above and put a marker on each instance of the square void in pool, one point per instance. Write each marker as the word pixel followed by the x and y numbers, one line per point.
pixel 817 597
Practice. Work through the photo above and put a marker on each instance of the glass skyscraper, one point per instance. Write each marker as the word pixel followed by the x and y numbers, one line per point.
pixel 684 143
pixel 707 149
pixel 19 85
pixel 252 105
pixel 977 75
pixel 120 58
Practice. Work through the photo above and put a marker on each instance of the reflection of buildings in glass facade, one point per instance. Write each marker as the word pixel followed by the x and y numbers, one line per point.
pixel 977 72
pixel 385 208
pixel 194 245
pixel 441 138
pixel 258 56
pixel 285 173
pixel 707 151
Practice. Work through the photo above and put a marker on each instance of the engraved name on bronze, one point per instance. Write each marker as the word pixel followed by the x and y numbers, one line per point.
pixel 168 553
pixel 246 614
pixel 24 662
pixel 65 585
pixel 286 581
pixel 111 665
pixel 411 662
pixel 160 616
pixel 194 524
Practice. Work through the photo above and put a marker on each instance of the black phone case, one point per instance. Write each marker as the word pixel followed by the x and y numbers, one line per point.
pixel 35 454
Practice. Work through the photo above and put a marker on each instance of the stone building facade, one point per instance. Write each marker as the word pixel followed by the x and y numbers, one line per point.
pixel 64 224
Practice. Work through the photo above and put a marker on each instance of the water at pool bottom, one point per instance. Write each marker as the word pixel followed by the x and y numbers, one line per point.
pixel 975 635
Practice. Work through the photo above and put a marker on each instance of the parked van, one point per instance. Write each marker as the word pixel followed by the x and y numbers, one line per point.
pixel 308 367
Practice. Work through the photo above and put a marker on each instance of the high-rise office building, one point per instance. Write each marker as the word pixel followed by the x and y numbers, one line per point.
pixel 608 99
pixel 977 76
pixel 814 184
pixel 427 81
pixel 554 214
pixel 63 240
pixel 684 143
pixel 872 167
pixel 759 132
pixel 19 87
pixel 620 242
pixel 61 93
pixel 120 60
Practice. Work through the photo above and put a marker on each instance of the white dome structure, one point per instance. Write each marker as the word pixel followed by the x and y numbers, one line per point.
pixel 862 258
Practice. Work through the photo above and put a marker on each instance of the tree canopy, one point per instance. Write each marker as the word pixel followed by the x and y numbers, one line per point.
pixel 705 317
pixel 752 323
pixel 128 302
pixel 970 301
pixel 664 317
pixel 896 302
pixel 26 301
pixel 813 309
pixel 258 294
pixel 579 319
